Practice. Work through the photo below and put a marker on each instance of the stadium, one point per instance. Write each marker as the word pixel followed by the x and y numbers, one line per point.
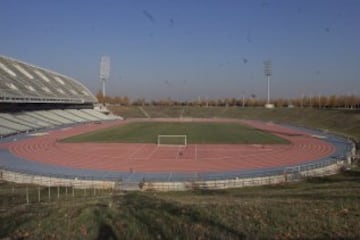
pixel 41 109
pixel 179 120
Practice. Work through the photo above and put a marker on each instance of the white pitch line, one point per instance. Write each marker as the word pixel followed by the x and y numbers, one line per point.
pixel 196 152
pixel 153 152
pixel 178 153
pixel 136 151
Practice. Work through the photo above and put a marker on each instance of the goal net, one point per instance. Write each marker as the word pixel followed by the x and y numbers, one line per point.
pixel 172 140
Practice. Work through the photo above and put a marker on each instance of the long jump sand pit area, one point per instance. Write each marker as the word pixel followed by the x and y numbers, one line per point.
pixel 148 158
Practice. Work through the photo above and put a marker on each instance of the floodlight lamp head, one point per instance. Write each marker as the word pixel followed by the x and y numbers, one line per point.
pixel 268 68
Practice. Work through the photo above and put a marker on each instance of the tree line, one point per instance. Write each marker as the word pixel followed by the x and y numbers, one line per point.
pixel 332 101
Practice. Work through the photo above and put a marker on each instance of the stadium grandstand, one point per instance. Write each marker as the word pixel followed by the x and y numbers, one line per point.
pixel 33 98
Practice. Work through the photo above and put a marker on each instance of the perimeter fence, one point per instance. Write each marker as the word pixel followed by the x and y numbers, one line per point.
pixel 24 188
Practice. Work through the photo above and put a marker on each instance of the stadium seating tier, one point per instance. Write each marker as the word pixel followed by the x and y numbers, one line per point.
pixel 23 82
pixel 33 98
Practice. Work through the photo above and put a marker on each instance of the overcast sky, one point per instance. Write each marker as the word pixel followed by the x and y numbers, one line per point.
pixel 189 48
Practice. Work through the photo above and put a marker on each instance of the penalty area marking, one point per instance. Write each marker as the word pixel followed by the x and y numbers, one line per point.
pixel 137 151
pixel 152 153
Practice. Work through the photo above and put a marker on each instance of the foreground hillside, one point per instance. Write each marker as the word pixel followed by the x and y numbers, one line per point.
pixel 319 208
pixel 337 120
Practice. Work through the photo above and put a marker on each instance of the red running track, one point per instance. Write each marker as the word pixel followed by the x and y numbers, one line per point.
pixel 151 158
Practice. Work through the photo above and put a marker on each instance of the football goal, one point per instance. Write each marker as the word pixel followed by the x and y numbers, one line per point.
pixel 172 140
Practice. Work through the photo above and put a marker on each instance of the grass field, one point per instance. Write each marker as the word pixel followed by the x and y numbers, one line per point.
pixel 318 208
pixel 197 133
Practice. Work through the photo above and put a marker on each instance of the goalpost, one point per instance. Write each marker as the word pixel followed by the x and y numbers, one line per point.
pixel 172 140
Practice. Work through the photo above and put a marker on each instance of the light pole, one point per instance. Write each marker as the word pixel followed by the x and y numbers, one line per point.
pixel 104 72
pixel 268 73
pixel 243 99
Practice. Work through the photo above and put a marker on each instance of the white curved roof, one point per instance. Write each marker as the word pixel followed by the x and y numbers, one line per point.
pixel 23 82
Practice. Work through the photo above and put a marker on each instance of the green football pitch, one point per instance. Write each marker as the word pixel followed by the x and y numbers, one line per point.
pixel 197 133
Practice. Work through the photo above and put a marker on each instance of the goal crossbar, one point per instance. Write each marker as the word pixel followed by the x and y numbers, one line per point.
pixel 171 140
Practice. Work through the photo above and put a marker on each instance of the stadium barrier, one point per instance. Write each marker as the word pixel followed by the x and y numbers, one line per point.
pixel 243 182
pixel 25 178
pixel 68 188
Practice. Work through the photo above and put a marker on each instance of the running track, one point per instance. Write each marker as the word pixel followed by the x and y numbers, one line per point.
pixel 149 158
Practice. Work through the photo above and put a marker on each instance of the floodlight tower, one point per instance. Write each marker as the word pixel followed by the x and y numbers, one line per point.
pixel 104 72
pixel 268 73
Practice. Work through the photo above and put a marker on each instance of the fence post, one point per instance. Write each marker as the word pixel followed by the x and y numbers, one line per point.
pixel 39 197
pixel 73 191
pixel 27 195
pixel 58 192
pixel 49 193
pixel 66 191
pixel 49 190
